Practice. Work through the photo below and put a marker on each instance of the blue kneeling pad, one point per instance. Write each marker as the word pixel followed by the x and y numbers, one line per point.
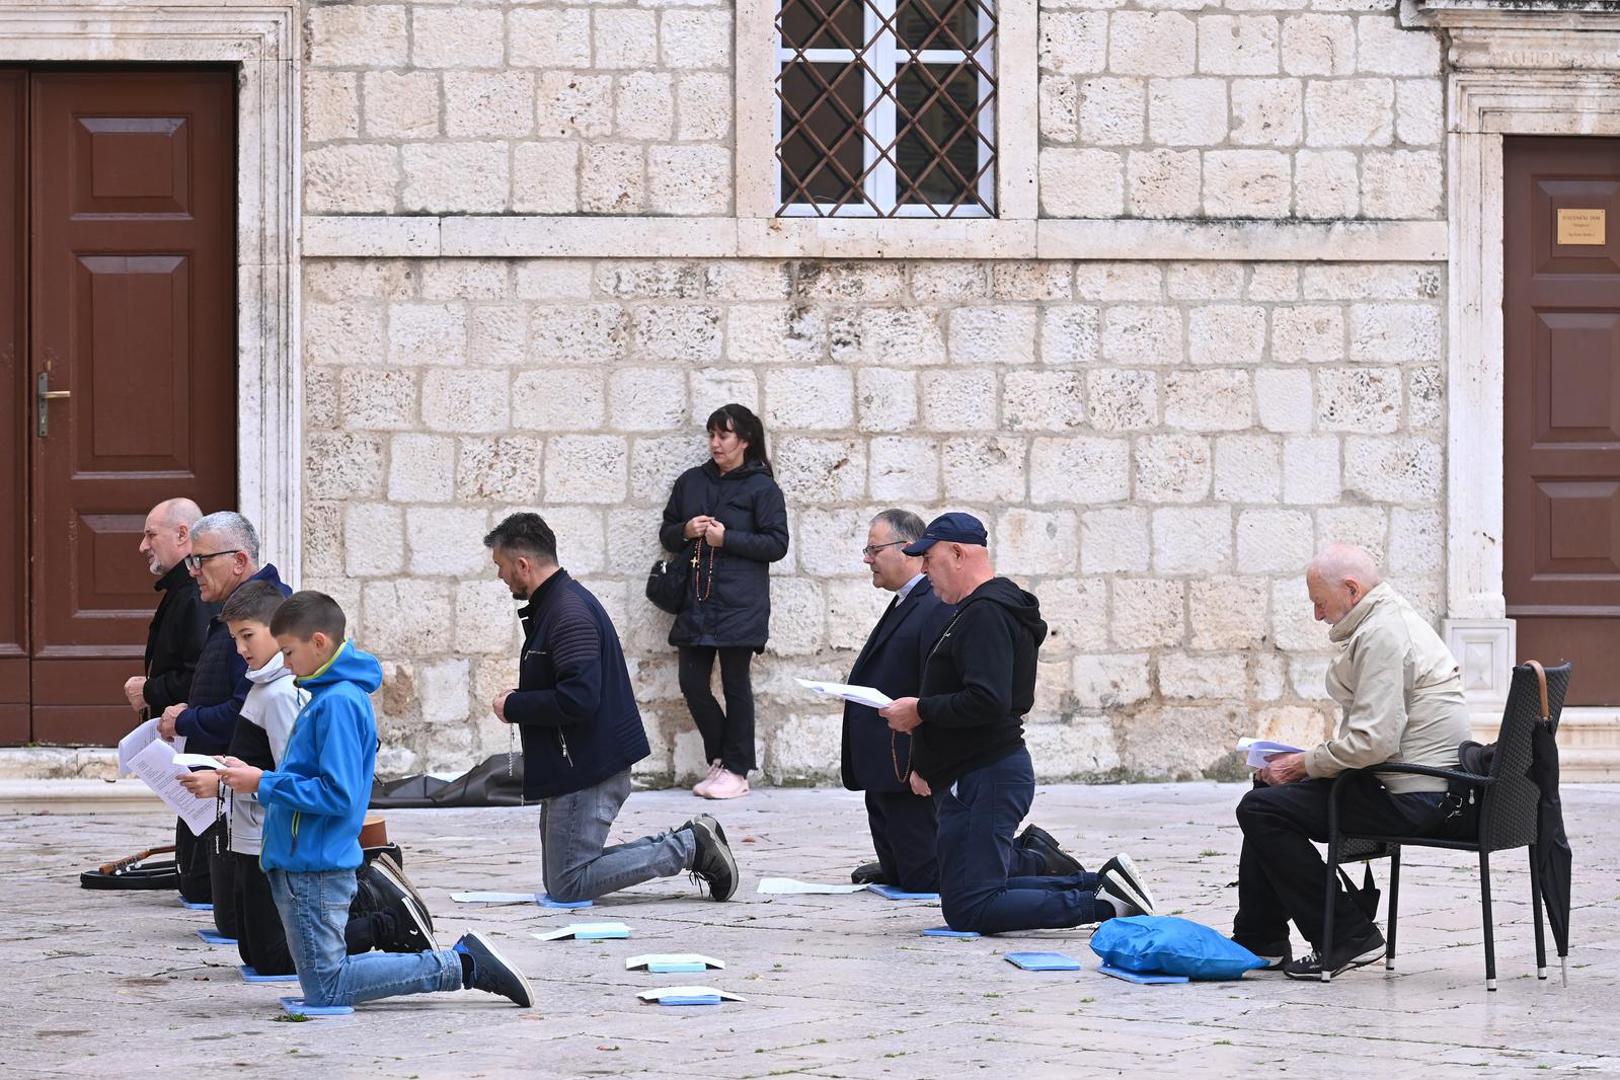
pixel 546 901
pixel 189 906
pixel 945 931
pixel 891 892
pixel 1167 945
pixel 295 1007
pixel 1043 961
pixel 214 937
pixel 251 976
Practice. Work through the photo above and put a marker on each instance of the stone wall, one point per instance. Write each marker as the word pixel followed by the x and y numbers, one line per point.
pixel 1262 110
pixel 1157 448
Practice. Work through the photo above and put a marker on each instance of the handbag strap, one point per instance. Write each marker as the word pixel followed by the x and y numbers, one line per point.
pixel 1541 677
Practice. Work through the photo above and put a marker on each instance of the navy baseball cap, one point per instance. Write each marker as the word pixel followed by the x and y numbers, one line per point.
pixel 953 528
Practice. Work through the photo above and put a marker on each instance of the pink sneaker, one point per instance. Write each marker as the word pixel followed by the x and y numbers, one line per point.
pixel 702 786
pixel 728 785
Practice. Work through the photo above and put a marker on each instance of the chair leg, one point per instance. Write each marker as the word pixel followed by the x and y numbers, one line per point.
pixel 1394 905
pixel 1485 911
pixel 1327 909
pixel 1535 913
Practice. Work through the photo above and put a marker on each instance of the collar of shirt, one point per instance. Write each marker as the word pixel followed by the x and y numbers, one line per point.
pixel 905 590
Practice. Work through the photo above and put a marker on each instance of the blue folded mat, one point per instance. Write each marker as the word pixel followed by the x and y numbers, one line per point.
pixel 547 902
pixel 1141 977
pixel 1043 961
pixel 945 931
pixel 295 1007
pixel 251 976
pixel 189 906
pixel 890 892
pixel 1167 945
pixel 214 937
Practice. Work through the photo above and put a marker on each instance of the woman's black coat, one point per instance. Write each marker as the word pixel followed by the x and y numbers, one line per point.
pixel 735 610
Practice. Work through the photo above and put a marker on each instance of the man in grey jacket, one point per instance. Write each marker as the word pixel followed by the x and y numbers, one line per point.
pixel 1402 701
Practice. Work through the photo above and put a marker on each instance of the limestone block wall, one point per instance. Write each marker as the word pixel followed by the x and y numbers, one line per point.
pixel 1158 448
pixel 569 107
pixel 1315 109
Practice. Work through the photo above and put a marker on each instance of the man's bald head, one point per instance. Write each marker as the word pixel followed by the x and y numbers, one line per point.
pixel 167 537
pixel 1337 579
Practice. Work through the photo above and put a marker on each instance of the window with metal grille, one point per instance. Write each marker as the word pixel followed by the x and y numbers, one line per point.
pixel 886 108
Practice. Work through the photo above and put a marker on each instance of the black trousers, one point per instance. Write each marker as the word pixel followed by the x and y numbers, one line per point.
pixel 261 940
pixel 221 878
pixel 903 837
pixel 191 862
pixel 1282 877
pixel 728 734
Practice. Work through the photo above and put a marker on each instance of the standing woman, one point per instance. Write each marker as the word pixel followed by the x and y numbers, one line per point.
pixel 727 518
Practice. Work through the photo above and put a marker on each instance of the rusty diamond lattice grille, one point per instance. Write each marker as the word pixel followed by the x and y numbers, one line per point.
pixel 886 108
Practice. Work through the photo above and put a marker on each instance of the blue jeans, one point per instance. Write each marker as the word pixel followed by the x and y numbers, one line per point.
pixel 573 828
pixel 314 908
pixel 978 816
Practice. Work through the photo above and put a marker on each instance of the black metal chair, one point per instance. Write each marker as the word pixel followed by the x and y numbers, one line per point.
pixel 1505 814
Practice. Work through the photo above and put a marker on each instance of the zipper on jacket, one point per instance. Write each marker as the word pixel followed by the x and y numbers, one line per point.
pixel 562 744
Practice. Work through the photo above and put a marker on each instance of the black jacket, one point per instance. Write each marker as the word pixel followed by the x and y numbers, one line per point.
pixel 892 661
pixel 573 705
pixel 730 599
pixel 219 685
pixel 174 639
pixel 978 683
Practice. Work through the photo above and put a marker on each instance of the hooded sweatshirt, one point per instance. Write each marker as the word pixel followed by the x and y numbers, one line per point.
pixel 219 683
pixel 317 798
pixel 978 682
pixel 270 709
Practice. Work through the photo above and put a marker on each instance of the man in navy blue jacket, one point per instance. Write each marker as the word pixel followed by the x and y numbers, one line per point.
pixel 224 556
pixel 877 760
pixel 581 731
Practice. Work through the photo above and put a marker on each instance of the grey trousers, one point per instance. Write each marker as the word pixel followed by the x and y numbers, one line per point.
pixel 573 830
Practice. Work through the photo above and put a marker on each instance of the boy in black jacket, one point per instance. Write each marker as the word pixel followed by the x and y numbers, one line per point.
pixel 968 749
pixel 582 731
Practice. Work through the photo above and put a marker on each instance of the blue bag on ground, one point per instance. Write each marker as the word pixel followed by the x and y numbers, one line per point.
pixel 1166 945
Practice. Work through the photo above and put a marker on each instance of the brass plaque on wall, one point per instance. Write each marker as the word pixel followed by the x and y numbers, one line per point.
pixel 1582 226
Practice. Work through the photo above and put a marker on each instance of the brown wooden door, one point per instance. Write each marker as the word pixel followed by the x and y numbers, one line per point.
pixel 1561 324
pixel 130 277
pixel 14 728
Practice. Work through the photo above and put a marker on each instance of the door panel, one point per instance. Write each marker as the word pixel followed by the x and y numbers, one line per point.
pixel 1561 321
pixel 132 312
pixel 13 412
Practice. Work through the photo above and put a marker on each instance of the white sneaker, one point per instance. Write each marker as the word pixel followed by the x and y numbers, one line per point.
pixel 728 785
pixel 701 788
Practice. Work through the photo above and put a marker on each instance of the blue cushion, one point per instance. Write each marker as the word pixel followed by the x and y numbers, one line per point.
pixel 1166 945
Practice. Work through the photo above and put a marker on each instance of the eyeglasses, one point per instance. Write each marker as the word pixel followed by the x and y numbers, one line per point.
pixel 872 549
pixel 194 562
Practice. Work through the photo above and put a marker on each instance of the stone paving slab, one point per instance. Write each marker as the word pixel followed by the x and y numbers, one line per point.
pixel 117 984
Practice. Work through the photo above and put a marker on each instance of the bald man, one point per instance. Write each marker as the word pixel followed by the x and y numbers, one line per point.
pixel 178 627
pixel 1402 700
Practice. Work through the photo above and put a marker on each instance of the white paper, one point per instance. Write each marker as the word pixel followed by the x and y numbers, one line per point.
pixel 790 886
pixel 197 761
pixel 139 739
pixel 156 766
pixel 860 695
pixel 672 958
pixel 593 931
pixel 493 897
pixel 1261 749
pixel 686 992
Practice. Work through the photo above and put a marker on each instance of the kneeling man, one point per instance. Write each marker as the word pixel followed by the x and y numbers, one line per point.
pixel 1403 701
pixel 582 731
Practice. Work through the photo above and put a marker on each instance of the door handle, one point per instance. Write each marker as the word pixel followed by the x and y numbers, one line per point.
pixel 43 396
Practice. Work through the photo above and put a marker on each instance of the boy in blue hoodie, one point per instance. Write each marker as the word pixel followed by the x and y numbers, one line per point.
pixel 315 803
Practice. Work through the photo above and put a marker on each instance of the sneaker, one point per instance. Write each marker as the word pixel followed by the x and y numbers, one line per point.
pixel 869 873
pixel 412 932
pixel 701 788
pixel 1056 862
pixel 1276 954
pixel 384 863
pixel 713 861
pixel 1364 950
pixel 1122 881
pixel 492 972
pixel 727 785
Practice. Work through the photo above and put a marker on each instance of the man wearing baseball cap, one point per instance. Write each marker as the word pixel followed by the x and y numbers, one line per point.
pixel 968 748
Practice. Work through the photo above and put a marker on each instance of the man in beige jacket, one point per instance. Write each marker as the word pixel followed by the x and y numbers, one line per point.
pixel 1402 698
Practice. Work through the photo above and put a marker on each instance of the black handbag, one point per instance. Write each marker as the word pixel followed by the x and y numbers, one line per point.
pixel 666 583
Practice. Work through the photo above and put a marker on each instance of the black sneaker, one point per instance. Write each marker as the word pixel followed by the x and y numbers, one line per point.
pixel 492 972
pixel 869 873
pixel 1122 881
pixel 713 861
pixel 1056 862
pixel 384 863
pixel 1364 950
pixel 412 932
pixel 1276 954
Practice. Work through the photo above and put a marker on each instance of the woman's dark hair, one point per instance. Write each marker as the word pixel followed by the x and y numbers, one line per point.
pixel 741 419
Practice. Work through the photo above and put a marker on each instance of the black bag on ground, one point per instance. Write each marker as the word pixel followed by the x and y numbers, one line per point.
pixel 666 584
pixel 495 781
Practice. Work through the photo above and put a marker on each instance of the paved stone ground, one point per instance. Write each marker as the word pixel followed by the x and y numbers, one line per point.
pixel 115 984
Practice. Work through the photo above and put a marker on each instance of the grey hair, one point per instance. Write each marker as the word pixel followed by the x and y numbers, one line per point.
pixel 902 523
pixel 236 530
pixel 1340 561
